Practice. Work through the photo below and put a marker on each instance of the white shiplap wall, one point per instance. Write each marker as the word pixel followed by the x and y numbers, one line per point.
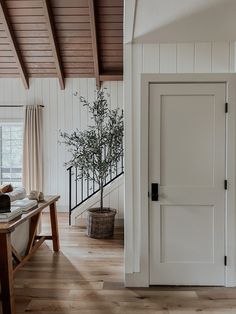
pixel 208 57
pixel 195 57
pixel 62 111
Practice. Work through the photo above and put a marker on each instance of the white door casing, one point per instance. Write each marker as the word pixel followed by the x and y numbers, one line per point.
pixel 187 159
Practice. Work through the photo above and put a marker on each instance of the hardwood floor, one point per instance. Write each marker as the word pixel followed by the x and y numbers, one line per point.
pixel 86 277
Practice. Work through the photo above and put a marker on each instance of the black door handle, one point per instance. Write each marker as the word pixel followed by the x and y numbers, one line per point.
pixel 155 192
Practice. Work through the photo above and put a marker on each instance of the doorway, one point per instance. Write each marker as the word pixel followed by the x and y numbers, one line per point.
pixel 187 172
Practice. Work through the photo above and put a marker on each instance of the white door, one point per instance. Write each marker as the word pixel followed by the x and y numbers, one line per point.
pixel 187 160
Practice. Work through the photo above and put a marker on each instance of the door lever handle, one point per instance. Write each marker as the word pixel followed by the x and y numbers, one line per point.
pixel 155 192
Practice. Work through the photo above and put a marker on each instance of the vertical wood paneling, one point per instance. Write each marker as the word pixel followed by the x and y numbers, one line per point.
pixel 168 56
pixel 113 92
pixel 14 115
pixel 62 111
pixel 120 95
pixel 46 126
pixel 203 57
pixel 220 57
pixel 60 149
pixel 151 58
pixel 107 87
pixel 68 127
pixel 75 104
pixel 91 93
pixel 232 56
pixel 30 100
pixel 199 57
pixel 185 58
pixel 53 131
pixel 137 69
pixel 38 93
pixel 114 199
pixel 114 95
pixel 106 201
pixel 83 91
pixel 91 97
pixel 121 202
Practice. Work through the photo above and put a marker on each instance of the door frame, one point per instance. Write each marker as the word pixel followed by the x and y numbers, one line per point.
pixel 230 234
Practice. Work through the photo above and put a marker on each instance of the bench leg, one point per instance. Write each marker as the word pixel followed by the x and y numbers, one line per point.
pixel 6 274
pixel 54 227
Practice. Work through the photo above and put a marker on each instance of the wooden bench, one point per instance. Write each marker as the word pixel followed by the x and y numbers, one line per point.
pixel 8 253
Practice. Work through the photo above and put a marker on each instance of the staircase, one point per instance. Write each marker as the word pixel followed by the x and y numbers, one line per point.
pixel 84 194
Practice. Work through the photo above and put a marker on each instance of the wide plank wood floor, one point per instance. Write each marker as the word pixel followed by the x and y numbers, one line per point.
pixel 87 277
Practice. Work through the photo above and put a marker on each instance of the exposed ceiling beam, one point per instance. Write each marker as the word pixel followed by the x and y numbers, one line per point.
pixel 52 37
pixel 111 77
pixel 13 44
pixel 94 41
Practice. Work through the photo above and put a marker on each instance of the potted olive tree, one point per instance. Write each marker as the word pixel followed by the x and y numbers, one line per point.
pixel 95 151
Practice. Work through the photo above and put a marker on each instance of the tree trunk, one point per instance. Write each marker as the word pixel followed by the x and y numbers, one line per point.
pixel 101 195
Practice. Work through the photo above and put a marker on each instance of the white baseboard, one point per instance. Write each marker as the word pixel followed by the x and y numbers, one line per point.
pixel 135 280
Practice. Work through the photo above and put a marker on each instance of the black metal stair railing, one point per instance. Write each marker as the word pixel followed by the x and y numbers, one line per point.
pixel 80 190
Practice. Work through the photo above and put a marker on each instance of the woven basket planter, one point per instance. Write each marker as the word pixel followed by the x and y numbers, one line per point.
pixel 100 224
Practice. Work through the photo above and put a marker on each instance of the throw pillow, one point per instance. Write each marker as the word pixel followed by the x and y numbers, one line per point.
pixel 6 188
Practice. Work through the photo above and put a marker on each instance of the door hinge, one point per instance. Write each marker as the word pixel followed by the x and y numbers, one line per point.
pixel 226 184
pixel 225 260
pixel 226 107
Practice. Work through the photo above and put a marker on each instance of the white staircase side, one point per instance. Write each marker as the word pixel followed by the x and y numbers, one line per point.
pixel 92 201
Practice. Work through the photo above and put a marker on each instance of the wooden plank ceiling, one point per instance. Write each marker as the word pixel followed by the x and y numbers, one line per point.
pixel 61 38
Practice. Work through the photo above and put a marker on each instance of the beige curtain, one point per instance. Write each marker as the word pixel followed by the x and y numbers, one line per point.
pixel 33 151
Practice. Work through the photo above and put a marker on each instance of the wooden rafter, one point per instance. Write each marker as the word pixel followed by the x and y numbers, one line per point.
pixel 13 43
pixel 111 77
pixel 94 41
pixel 58 40
pixel 52 37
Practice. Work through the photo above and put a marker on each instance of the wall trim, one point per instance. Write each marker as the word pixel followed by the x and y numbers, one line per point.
pixel 130 15
pixel 141 279
pixel 128 161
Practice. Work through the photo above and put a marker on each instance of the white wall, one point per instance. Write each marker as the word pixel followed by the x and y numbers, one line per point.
pixel 184 20
pixel 62 111
pixel 207 57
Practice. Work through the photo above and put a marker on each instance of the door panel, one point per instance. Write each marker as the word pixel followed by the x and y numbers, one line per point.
pixel 187 159
pixel 179 131
pixel 195 221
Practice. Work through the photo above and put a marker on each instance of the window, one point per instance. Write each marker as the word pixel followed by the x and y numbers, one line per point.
pixel 11 153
